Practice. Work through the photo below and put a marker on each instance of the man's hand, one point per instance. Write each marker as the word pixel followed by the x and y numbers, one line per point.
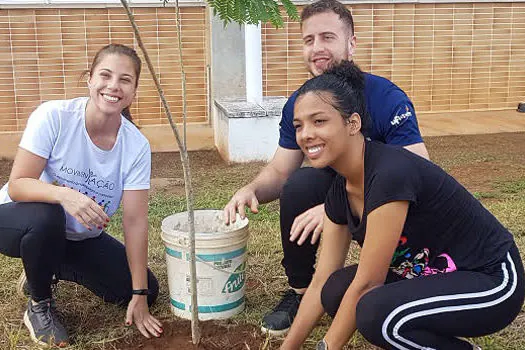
pixel 311 221
pixel 245 197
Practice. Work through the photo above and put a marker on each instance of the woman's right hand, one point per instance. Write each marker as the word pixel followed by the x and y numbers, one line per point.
pixel 84 209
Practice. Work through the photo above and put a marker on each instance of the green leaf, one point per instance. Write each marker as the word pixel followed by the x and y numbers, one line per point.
pixel 291 10
pixel 251 11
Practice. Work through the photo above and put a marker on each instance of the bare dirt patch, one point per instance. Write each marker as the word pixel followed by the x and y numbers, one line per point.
pixel 479 162
pixel 207 169
pixel 215 336
pixel 5 170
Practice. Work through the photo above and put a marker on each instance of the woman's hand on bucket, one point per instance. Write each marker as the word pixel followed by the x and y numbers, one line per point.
pixel 138 313
pixel 245 197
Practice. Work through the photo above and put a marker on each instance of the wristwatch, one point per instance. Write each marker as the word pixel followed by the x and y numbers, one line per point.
pixel 322 345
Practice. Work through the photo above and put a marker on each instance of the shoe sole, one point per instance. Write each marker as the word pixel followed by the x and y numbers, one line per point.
pixel 22 280
pixel 32 331
pixel 37 340
pixel 275 332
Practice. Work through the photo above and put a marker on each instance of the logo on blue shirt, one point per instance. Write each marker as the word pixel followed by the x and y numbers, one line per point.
pixel 400 117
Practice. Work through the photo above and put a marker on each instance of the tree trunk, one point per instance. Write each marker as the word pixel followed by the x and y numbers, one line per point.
pixel 195 330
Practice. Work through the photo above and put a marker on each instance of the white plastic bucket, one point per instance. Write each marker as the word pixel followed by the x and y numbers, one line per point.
pixel 220 260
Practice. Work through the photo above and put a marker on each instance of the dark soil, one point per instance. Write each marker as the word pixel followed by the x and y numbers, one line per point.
pixel 480 161
pixel 215 336
pixel 5 170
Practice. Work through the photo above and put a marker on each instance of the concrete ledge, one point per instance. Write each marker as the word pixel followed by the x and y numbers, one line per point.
pixel 247 131
pixel 161 138
pixel 238 108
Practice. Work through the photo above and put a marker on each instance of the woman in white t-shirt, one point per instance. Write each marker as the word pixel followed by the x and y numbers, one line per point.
pixel 77 160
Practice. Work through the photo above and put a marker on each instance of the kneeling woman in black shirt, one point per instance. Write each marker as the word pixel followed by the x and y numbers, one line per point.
pixel 435 265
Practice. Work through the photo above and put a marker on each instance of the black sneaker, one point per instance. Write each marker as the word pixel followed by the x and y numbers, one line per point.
pixel 22 288
pixel 43 324
pixel 279 320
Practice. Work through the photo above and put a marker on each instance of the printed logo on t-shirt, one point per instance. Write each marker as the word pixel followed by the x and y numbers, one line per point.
pixel 101 202
pixel 90 184
pixel 408 264
pixel 401 116
pixel 89 177
pixel 412 265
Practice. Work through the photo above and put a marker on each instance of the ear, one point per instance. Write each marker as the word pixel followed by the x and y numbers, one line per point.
pixel 352 44
pixel 353 124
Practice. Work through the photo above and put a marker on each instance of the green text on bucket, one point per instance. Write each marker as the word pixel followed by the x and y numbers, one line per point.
pixel 236 280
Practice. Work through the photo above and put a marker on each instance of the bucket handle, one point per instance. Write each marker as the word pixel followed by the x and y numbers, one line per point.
pixel 215 267
pixel 186 243
pixel 221 270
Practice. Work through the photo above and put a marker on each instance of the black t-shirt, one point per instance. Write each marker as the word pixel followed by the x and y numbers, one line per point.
pixel 446 228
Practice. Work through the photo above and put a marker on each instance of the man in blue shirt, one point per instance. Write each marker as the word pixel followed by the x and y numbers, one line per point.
pixel 328 38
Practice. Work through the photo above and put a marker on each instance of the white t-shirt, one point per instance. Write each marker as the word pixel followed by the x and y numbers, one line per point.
pixel 56 131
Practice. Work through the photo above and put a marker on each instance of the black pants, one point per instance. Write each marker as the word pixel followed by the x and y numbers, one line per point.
pixel 305 188
pixel 431 312
pixel 36 233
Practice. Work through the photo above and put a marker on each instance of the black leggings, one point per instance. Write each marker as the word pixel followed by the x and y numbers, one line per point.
pixel 431 312
pixel 305 188
pixel 36 233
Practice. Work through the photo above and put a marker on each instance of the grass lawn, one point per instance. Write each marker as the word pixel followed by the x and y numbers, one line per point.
pixel 491 167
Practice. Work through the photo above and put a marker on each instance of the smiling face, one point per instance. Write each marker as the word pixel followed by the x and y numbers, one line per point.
pixel 326 41
pixel 112 84
pixel 321 132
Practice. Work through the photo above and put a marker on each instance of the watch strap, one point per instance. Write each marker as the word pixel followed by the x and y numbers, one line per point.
pixel 140 292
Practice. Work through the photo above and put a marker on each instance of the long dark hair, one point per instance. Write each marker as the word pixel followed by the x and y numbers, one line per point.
pixel 117 49
pixel 345 82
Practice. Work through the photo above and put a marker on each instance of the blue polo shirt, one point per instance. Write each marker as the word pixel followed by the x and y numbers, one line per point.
pixel 392 113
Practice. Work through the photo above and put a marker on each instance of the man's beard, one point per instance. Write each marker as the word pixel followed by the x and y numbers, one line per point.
pixel 333 62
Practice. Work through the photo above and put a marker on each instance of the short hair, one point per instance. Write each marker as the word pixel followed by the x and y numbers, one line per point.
pixel 323 6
